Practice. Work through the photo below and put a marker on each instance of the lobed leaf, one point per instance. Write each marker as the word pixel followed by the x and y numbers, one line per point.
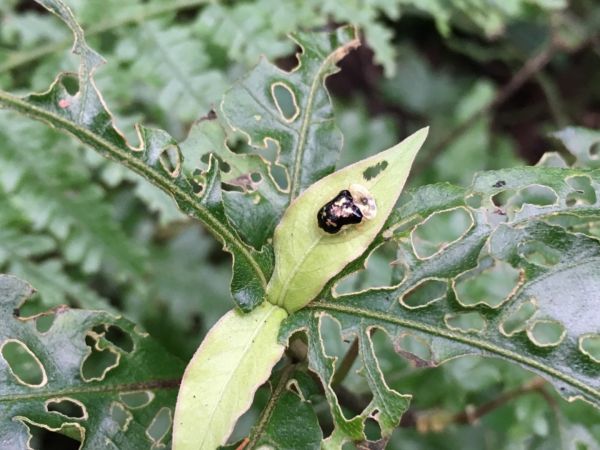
pixel 91 375
pixel 288 114
pixel 507 268
pixel 158 157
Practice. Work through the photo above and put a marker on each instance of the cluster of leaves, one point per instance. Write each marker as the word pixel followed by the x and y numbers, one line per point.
pixel 480 270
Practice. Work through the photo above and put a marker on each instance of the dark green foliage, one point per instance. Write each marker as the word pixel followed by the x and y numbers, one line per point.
pixel 504 268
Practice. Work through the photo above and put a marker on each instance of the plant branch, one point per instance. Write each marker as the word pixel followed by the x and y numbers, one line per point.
pixel 530 68
pixel 470 415
pixel 346 364
pixel 251 441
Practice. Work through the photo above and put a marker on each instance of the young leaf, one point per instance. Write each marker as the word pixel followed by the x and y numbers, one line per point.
pixel 306 257
pixel 234 359
pixel 89 374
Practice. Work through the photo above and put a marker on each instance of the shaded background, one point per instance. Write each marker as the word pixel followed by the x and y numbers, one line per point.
pixel 492 79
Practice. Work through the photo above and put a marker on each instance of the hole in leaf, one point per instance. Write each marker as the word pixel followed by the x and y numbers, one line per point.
pixel 285 101
pixel 471 322
pixel 380 271
pixel 491 286
pixel 119 338
pixel 280 175
pixel 540 254
pixel 595 150
pixel 502 198
pixel 67 407
pixel 414 349
pixel 71 84
pixel 372 430
pixel 120 415
pixel 160 426
pixel 534 195
pixel 99 362
pixel 546 333
pixel 517 320
pixel 170 160
pixel 67 437
pixel 256 177
pixel 590 345
pixel 373 171
pixel 206 159
pixel 276 170
pixel 425 293
pixel 44 322
pixel 332 339
pixel 136 400
pixel 584 191
pixel 440 230
pixel 23 364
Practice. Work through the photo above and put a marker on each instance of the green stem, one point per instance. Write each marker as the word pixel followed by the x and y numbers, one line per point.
pixel 265 417
pixel 125 157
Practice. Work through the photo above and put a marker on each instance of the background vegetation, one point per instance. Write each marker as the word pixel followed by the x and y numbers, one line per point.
pixel 493 80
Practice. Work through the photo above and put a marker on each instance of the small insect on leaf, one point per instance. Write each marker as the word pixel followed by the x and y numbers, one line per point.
pixel 339 212
pixel 351 207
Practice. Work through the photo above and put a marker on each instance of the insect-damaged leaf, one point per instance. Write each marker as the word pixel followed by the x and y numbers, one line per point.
pixel 88 374
pixel 289 114
pixel 515 279
pixel 234 359
pixel 305 256
pixel 157 158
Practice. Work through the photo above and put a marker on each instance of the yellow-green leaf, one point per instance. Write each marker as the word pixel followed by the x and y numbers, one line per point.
pixel 305 256
pixel 234 359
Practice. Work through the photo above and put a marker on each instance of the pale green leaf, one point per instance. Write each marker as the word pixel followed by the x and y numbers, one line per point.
pixel 305 256
pixel 234 359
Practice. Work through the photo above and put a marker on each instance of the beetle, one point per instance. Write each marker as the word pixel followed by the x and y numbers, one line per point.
pixel 349 207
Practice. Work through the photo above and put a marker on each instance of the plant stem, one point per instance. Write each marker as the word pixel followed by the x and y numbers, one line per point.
pixel 251 441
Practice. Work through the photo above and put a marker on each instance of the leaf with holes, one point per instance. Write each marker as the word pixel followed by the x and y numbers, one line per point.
pixel 83 114
pixel 290 115
pixel 90 375
pixel 306 256
pixel 507 268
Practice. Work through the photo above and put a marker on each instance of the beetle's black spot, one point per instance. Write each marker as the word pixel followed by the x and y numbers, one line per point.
pixel 339 212
pixel 499 184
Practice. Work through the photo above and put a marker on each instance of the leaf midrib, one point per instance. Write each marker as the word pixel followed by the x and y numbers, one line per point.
pixel 232 374
pixel 21 106
pixel 443 333
pixel 172 383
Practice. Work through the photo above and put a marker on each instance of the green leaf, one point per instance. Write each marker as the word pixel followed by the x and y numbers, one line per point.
pixel 46 180
pixel 504 269
pixel 293 109
pixel 289 420
pixel 88 374
pixel 158 158
pixel 583 144
pixel 234 359
pixel 305 256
